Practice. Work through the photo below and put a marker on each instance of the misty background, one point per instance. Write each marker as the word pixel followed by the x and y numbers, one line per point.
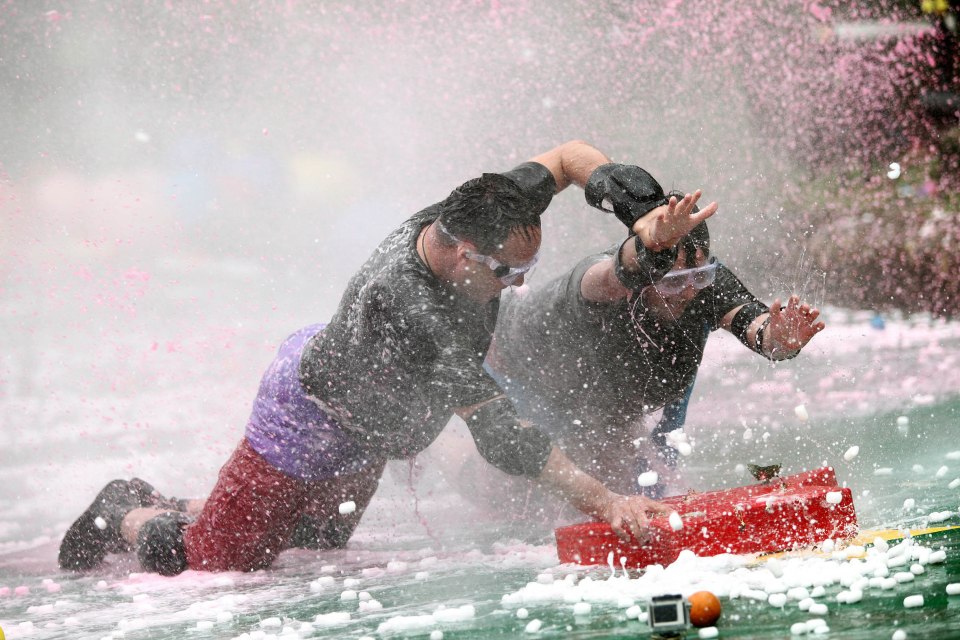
pixel 183 185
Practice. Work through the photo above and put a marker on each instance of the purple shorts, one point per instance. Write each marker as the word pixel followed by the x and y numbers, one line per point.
pixel 291 432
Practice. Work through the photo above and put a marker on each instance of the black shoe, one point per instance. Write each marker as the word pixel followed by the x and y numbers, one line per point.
pixel 86 544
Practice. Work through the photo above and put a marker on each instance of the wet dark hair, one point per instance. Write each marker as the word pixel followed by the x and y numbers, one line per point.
pixel 486 210
pixel 698 238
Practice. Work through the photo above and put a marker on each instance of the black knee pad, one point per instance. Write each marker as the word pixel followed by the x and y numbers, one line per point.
pixel 160 544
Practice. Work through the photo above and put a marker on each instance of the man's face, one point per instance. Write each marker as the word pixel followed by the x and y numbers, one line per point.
pixel 478 280
pixel 670 306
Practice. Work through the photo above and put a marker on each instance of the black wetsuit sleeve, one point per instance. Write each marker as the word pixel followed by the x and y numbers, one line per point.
pixel 537 183
pixel 727 293
pixel 505 443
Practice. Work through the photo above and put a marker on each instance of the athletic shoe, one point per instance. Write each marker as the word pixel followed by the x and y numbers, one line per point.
pixel 97 532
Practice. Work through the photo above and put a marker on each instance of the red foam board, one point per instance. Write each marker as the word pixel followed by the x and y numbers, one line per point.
pixel 782 514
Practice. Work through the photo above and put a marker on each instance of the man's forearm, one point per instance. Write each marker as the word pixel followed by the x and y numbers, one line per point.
pixel 576 487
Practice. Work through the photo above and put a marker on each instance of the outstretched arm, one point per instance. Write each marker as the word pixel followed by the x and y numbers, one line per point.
pixel 625 514
pixel 783 331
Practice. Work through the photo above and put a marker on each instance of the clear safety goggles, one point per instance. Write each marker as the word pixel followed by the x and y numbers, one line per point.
pixel 697 277
pixel 506 274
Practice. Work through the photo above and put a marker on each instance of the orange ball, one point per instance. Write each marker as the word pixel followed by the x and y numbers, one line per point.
pixel 704 609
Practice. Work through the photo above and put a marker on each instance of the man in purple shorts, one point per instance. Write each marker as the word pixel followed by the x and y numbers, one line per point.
pixel 403 352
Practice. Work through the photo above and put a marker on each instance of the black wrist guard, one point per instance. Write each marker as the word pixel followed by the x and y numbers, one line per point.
pixel 741 322
pixel 625 190
pixel 652 265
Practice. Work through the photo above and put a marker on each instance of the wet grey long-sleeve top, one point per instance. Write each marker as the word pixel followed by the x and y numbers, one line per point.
pixel 403 350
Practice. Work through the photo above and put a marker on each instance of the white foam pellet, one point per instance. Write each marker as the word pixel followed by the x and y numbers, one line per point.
pixel 883 471
pixel 684 449
pixel 363 596
pixel 821 631
pixel 818 609
pixel 801 412
pixel 942 471
pixel 798 629
pixel 903 576
pixel 436 634
pixel 953 455
pixel 917 468
pixel 815 623
pixel 634 612
pixel 676 522
pixel 889 583
pixel 899 634
pixel 351 582
pixel 533 626
pixel 954 483
pixel 937 557
pixel 321 583
pixel 851 453
pixel 741 469
pixel 834 497
pixel 100 522
pixel 903 421
pixel 370 605
pixel 349 594
pixel 917 569
pixel 818 592
pixel 331 619
pixel 648 478
pixel 347 507
pixel 911 602
pixel 953 589
pixel 805 604
pixel 205 624
pixel 798 593
pixel 777 600
pixel 582 609
pixel 269 623
pixel 522 613
pixel 909 504
pixel 708 632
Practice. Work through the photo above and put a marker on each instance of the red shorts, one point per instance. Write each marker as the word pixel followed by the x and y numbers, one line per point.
pixel 248 518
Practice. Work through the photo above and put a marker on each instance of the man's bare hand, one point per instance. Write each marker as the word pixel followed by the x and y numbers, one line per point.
pixel 663 227
pixel 791 327
pixel 630 516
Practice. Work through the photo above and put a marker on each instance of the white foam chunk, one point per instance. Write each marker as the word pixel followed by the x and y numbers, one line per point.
pixel 708 632
pixel 347 507
pixel 834 497
pixel 436 634
pixel 909 504
pixel 953 455
pixel 582 609
pixel 522 613
pixel 818 609
pixel 913 601
pixel 634 612
pixel 899 634
pixel 676 522
pixel 100 522
pixel 798 629
pixel 851 453
pixel 953 589
pixel 268 623
pixel 936 557
pixel 883 471
pixel 903 421
pixel 349 594
pixel 777 600
pixel 533 626
pixel 801 412
pixel 331 619
pixel 954 483
pixel 648 478
pixel 942 471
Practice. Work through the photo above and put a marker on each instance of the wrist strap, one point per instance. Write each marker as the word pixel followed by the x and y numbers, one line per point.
pixel 741 322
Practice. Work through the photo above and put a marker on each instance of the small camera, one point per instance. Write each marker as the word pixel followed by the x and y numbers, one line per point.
pixel 668 615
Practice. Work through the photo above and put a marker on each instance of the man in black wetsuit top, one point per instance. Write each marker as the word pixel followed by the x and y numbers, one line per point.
pixel 622 334
pixel 403 353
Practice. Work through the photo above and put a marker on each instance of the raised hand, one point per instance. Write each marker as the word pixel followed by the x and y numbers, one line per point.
pixel 790 328
pixel 663 227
